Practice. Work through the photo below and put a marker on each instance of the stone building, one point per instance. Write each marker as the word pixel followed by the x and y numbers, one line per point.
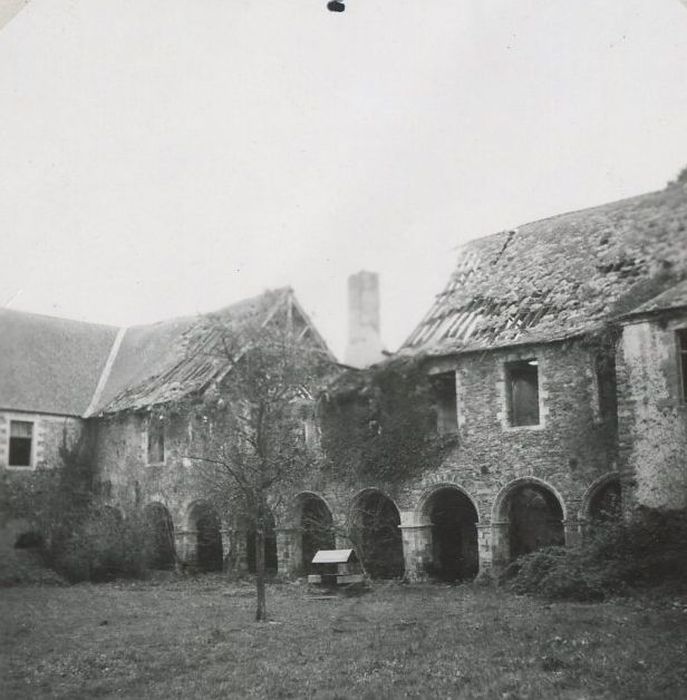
pixel 557 354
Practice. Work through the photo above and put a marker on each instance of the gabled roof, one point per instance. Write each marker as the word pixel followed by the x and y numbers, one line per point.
pixel 559 277
pixel 166 361
pixel 673 298
pixel 50 365
pixel 334 556
pixel 54 365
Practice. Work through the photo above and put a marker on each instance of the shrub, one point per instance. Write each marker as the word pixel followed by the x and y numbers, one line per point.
pixel 104 546
pixel 646 551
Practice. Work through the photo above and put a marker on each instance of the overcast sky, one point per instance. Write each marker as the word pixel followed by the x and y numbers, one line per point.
pixel 165 157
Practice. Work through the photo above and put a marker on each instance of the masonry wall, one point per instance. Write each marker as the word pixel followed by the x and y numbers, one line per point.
pixel 652 414
pixel 49 432
pixel 572 449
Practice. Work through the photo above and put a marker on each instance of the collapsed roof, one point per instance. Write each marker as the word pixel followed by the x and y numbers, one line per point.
pixel 63 367
pixel 559 277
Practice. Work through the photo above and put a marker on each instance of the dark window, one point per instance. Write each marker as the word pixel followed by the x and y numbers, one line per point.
pixel 606 383
pixel 522 387
pixel 682 360
pixel 445 402
pixel 156 441
pixel 21 442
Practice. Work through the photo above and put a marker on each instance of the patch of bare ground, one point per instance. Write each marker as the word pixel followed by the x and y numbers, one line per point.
pixel 196 638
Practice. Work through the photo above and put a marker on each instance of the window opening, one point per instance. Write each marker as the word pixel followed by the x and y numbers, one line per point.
pixel 445 402
pixel 21 443
pixel 522 382
pixel 156 441
pixel 606 383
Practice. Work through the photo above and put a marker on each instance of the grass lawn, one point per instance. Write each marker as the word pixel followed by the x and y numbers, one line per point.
pixel 196 638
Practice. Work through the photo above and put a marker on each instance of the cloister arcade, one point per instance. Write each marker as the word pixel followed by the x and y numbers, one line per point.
pixel 445 534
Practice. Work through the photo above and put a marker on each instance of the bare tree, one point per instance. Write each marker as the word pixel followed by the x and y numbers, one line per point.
pixel 249 437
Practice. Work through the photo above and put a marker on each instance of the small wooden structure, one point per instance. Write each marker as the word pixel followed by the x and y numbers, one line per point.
pixel 336 566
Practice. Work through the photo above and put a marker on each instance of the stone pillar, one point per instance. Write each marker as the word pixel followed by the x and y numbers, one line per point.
pixel 572 530
pixel 186 545
pixel 416 535
pixel 225 533
pixel 485 553
pixel 288 551
pixel 500 546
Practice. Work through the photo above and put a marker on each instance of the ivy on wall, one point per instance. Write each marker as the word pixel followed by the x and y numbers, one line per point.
pixel 379 424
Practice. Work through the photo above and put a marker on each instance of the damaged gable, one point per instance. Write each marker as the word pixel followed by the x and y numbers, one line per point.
pixel 166 361
pixel 559 277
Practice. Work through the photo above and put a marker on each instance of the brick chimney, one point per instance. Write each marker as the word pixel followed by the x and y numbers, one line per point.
pixel 364 346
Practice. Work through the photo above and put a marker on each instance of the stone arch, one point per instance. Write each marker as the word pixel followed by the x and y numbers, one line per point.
pixel 159 536
pixel 452 515
pixel 533 512
pixel 270 546
pixel 374 526
pixel 314 527
pixel 204 527
pixel 602 501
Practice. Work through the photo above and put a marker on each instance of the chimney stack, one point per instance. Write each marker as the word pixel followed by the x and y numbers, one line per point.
pixel 364 342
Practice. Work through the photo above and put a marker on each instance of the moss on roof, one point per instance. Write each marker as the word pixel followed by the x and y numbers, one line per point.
pixel 559 277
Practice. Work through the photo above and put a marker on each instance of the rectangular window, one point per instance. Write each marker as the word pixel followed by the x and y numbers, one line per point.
pixel 21 443
pixel 606 383
pixel 682 359
pixel 445 402
pixel 522 387
pixel 156 441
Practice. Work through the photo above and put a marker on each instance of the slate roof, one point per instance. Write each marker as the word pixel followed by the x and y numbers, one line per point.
pixel 54 365
pixel 673 298
pixel 154 363
pixel 50 365
pixel 559 277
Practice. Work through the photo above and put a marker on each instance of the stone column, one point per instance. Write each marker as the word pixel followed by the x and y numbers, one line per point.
pixel 500 546
pixel 485 552
pixel 416 535
pixel 186 545
pixel 572 530
pixel 288 551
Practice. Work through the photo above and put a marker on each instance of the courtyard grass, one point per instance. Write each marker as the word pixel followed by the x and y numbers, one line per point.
pixel 195 638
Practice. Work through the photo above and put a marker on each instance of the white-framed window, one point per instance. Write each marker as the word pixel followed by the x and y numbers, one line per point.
pixel 522 392
pixel 21 444
pixel 156 441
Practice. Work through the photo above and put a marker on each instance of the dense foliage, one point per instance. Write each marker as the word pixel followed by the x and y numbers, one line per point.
pixel 77 537
pixel 379 424
pixel 646 551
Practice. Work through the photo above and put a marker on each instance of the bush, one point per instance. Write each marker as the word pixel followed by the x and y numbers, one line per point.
pixel 646 551
pixel 103 547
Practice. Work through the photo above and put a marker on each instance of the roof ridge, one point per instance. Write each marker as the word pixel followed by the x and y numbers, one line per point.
pixel 105 374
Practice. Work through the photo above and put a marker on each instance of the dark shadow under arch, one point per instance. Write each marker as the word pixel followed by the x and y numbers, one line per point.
pixel 316 528
pixel 453 518
pixel 159 537
pixel 206 523
pixel 375 531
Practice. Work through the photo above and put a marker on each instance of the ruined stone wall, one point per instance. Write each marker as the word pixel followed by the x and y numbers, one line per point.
pixel 652 414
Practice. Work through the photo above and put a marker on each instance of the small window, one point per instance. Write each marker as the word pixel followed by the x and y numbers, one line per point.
pixel 21 443
pixel 445 402
pixel 522 386
pixel 606 383
pixel 682 359
pixel 156 441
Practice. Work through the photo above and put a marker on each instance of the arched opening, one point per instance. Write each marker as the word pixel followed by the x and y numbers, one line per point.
pixel 605 501
pixel 159 539
pixel 207 525
pixel 270 547
pixel 453 518
pixel 316 527
pixel 535 519
pixel 375 532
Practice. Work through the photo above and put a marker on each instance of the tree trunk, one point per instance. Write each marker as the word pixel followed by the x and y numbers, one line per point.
pixel 261 610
